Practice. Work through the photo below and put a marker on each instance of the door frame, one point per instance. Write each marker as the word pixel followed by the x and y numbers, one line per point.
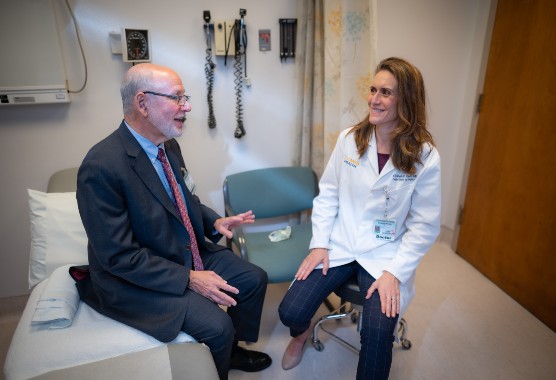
pixel 472 96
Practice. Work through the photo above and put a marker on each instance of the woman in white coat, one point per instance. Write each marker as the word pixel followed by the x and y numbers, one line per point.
pixel 376 216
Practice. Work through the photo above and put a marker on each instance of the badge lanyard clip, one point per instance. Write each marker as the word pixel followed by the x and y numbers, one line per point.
pixel 387 198
pixel 385 229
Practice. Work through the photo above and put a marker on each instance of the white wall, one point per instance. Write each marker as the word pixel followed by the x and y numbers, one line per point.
pixel 444 38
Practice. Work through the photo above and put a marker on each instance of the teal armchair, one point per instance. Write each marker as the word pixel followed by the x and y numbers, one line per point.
pixel 272 193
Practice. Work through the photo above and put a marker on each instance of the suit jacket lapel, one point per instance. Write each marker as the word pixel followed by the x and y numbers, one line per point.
pixel 194 212
pixel 145 171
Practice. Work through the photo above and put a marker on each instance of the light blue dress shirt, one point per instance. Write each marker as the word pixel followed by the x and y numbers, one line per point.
pixel 152 152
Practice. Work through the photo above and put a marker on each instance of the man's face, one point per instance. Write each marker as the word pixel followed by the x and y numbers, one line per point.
pixel 166 115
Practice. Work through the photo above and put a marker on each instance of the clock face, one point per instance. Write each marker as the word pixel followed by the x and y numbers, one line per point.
pixel 137 45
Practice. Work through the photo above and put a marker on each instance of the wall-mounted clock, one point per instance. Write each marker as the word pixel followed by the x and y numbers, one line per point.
pixel 136 45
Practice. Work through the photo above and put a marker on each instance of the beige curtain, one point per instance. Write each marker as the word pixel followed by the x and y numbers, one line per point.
pixel 335 60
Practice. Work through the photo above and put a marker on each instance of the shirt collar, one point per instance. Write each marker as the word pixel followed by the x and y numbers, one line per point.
pixel 148 146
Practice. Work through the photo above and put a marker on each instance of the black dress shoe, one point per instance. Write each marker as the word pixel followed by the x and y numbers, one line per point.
pixel 249 361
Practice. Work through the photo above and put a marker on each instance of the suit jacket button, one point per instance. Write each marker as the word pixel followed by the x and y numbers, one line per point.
pixel 188 247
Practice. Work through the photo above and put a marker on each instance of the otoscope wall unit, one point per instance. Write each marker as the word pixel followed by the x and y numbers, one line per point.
pixel 230 40
pixel 224 41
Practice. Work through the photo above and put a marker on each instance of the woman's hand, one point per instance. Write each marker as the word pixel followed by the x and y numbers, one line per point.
pixel 314 258
pixel 388 287
pixel 226 225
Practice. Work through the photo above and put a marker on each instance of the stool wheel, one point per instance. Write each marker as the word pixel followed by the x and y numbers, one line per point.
pixel 318 345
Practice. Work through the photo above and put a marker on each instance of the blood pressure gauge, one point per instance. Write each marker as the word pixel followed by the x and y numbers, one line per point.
pixel 136 45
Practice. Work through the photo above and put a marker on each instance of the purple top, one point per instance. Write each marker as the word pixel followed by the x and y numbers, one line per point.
pixel 382 160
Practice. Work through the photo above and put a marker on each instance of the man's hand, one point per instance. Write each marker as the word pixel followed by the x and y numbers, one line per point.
pixel 210 285
pixel 226 225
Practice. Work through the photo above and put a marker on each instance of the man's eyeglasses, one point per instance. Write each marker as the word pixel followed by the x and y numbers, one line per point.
pixel 180 99
pixel 384 92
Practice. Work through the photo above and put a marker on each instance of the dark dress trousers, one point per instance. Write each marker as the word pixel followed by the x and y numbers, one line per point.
pixel 139 250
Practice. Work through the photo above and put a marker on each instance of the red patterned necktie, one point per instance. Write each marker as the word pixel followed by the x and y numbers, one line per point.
pixel 180 205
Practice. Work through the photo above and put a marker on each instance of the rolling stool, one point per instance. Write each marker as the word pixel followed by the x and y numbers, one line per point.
pixel 349 293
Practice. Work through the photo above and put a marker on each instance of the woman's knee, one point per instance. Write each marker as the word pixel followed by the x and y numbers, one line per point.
pixel 290 314
pixel 378 333
pixel 285 317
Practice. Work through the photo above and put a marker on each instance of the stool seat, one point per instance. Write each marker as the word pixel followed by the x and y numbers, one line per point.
pixel 349 291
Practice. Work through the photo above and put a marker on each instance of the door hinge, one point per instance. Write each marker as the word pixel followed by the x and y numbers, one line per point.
pixel 479 103
pixel 460 214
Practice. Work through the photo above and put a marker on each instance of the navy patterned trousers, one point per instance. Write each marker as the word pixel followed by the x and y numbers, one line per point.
pixel 303 298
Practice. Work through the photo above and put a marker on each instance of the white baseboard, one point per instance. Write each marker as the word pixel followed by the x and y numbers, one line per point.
pixel 448 237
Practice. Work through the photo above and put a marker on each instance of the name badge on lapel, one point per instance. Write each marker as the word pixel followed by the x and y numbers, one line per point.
pixel 385 229
pixel 188 179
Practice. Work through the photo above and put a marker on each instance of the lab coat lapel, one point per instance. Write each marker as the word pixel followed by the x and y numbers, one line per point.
pixel 372 156
pixel 386 169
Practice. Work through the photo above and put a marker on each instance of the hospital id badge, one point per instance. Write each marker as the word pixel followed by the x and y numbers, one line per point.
pixel 188 179
pixel 385 229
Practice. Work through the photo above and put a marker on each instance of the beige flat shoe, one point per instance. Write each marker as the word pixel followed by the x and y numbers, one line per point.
pixel 289 361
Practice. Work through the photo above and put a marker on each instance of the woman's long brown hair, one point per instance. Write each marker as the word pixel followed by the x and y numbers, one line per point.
pixel 411 132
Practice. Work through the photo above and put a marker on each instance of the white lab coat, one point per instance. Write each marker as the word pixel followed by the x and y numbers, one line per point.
pixel 352 197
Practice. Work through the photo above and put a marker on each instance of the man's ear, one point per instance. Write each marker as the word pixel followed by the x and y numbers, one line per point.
pixel 141 104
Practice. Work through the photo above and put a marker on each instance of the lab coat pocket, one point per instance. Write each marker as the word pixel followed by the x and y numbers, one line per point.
pixel 400 195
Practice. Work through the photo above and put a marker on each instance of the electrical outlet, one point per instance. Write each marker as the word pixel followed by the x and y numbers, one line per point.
pixel 224 37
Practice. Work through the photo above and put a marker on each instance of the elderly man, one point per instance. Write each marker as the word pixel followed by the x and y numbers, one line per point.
pixel 153 259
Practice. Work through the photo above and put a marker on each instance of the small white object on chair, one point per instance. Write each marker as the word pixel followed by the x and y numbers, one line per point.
pixel 279 235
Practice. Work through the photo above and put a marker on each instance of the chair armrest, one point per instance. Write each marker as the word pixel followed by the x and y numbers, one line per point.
pixel 240 241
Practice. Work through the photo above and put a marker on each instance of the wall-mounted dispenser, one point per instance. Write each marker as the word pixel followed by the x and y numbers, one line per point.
pixel 288 33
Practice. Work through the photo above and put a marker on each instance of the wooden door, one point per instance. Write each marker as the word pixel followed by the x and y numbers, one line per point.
pixel 508 229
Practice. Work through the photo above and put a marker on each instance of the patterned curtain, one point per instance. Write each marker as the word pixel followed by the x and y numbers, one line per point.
pixel 335 61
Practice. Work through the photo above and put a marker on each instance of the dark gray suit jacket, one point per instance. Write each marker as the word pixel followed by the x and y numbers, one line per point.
pixel 139 250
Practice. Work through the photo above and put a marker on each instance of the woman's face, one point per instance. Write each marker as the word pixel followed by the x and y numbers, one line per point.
pixel 383 100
